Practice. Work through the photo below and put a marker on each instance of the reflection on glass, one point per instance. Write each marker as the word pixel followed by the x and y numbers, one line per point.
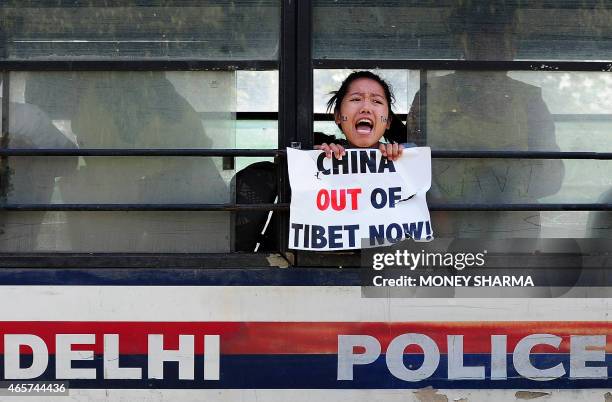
pixel 487 111
pixel 518 181
pixel 127 232
pixel 600 222
pixel 520 224
pixel 132 110
pixel 31 177
pixel 177 29
pixel 257 91
pixel 353 29
pixel 468 110
pixel 481 110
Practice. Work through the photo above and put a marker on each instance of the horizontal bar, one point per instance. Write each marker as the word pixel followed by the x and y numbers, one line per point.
pixel 140 152
pixel 273 116
pixel 583 117
pixel 285 207
pixel 140 261
pixel 565 117
pixel 221 270
pixel 586 117
pixel 521 155
pixel 153 64
pixel 520 207
pixel 256 115
pixel 519 65
pixel 140 4
pixel 542 4
pixel 279 152
pixel 131 64
pixel 143 207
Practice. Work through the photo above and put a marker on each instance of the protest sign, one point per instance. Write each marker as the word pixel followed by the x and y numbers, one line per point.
pixel 361 200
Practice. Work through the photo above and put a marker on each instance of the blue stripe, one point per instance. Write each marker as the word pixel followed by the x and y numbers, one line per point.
pixel 180 277
pixel 319 372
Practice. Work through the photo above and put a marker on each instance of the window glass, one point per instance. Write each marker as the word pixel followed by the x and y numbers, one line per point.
pixel 209 29
pixel 516 110
pixel 522 224
pixel 147 232
pixel 257 91
pixel 472 30
pixel 255 134
pixel 129 109
pixel 519 180
pixel 580 104
pixel 120 110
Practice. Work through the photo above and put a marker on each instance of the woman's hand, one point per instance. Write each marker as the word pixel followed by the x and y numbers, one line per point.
pixel 391 151
pixel 331 148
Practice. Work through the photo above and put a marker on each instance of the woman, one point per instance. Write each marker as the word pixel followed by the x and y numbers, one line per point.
pixel 362 111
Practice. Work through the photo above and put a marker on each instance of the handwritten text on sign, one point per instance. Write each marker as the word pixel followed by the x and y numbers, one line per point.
pixel 337 204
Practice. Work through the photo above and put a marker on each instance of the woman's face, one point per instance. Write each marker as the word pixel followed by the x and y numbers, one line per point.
pixel 364 113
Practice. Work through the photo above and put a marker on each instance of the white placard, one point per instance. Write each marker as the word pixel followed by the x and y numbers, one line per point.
pixel 361 200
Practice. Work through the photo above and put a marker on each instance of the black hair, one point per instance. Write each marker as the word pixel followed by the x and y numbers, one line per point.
pixel 337 96
pixel 397 131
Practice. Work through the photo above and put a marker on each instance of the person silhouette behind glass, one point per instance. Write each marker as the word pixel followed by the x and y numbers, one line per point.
pixel 30 179
pixel 486 110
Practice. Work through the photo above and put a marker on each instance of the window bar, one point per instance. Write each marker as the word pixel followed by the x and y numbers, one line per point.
pixel 285 207
pixel 5 170
pixel 521 207
pixel 584 117
pixel 5 108
pixel 287 112
pixel 143 207
pixel 204 152
pixel 280 153
pixel 304 79
pixel 521 155
pixel 135 64
pixel 422 106
pixel 518 65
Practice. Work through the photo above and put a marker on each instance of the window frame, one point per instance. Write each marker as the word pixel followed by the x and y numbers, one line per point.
pixel 295 117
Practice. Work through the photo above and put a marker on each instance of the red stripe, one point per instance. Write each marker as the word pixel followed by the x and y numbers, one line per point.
pixel 302 337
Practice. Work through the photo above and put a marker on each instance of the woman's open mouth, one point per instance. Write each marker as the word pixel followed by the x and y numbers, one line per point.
pixel 364 126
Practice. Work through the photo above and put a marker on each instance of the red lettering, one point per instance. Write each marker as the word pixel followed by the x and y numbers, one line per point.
pixel 337 199
pixel 354 192
pixel 323 200
pixel 334 200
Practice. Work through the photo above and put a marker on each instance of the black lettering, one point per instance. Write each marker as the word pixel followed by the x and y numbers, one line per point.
pixel 337 163
pixel 386 164
pixel 377 235
pixel 335 234
pixel 351 232
pixel 296 237
pixel 398 230
pixel 413 230
pixel 428 230
pixel 367 159
pixel 320 166
pixel 395 194
pixel 354 162
pixel 383 198
pixel 307 236
pixel 318 237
